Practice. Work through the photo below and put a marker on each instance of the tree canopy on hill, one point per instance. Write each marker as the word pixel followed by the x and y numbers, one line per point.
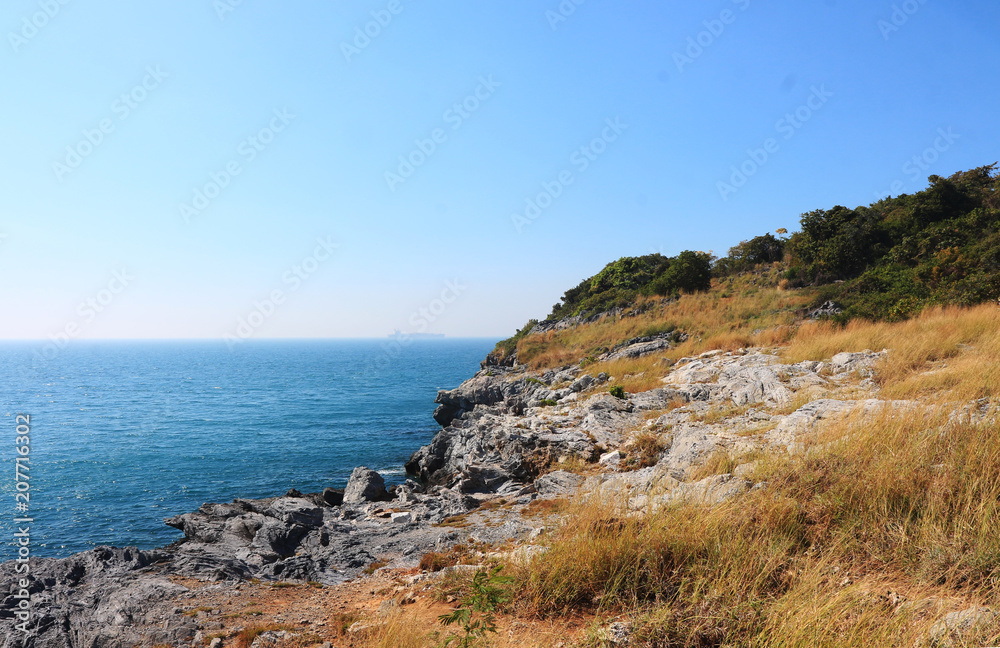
pixel 896 256
pixel 621 281
pixel 889 260
pixel 886 261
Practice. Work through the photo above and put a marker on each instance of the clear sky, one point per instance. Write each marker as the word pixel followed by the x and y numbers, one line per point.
pixel 343 169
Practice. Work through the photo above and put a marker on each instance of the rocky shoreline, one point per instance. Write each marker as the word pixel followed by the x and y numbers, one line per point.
pixel 506 432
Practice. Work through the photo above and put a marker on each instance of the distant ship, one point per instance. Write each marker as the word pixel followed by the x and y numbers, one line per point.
pixel 416 336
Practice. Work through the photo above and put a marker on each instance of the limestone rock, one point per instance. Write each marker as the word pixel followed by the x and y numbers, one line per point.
pixel 559 482
pixel 365 485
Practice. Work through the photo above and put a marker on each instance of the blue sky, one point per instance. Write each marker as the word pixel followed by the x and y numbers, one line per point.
pixel 456 168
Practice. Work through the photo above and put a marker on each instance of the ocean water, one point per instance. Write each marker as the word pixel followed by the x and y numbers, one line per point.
pixel 124 434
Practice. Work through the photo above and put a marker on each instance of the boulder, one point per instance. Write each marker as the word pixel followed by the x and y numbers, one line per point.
pixel 365 485
pixel 583 383
pixel 611 459
pixel 862 362
pixel 753 385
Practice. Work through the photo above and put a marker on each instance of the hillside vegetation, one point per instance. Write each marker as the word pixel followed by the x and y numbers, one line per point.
pixel 887 261
pixel 880 525
pixel 879 528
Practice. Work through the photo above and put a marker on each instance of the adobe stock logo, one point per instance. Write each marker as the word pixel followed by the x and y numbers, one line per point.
pixel 87 311
pixel 714 28
pixel 787 127
pixel 421 320
pixel 565 9
pixel 920 164
pixel 582 159
pixel 425 148
pixel 247 150
pixel 122 108
pixel 224 7
pixel 292 279
pixel 31 26
pixel 364 35
pixel 901 14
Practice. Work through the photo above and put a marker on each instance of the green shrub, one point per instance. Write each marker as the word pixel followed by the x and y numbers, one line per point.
pixel 617 391
pixel 476 614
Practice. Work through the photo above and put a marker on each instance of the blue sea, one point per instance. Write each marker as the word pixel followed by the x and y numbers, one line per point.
pixel 124 434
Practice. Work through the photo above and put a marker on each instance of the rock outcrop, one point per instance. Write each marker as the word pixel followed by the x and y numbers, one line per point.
pixel 507 432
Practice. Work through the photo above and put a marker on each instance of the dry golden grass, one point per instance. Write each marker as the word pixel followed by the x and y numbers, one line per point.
pixel 398 631
pixel 905 499
pixel 719 462
pixel 749 310
pixel 898 499
pixel 953 352
pixel 643 450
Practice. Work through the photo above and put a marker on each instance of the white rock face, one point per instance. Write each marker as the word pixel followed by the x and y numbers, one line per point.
pixel 611 459
pixel 697 371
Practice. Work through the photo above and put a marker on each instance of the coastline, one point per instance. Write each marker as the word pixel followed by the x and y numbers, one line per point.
pixel 508 434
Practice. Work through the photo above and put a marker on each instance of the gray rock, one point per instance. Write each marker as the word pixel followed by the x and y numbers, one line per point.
pixel 477 478
pixel 611 459
pixel 102 598
pixel 828 309
pixel 583 383
pixel 863 362
pixel 270 639
pixel 559 482
pixel 696 371
pixel 365 485
pixel 638 347
pixel 711 490
pixel 956 626
pixel 752 385
pixel 618 633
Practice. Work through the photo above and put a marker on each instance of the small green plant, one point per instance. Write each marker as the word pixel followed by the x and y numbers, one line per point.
pixel 548 402
pixel 477 611
pixel 617 391
pixel 533 381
